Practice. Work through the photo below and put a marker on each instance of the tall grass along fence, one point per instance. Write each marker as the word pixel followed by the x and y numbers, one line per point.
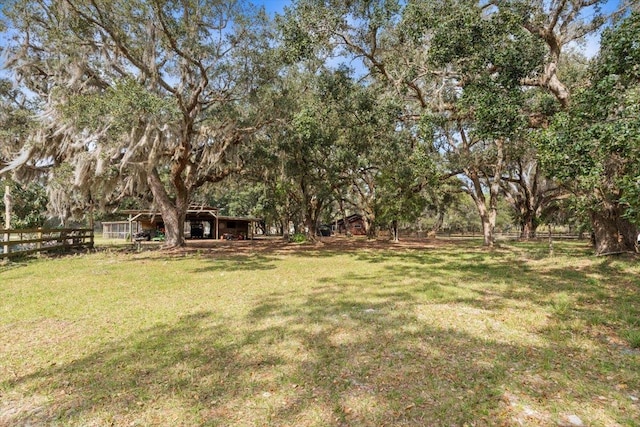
pixel 28 241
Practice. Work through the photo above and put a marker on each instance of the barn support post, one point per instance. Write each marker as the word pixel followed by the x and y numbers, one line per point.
pixel 131 219
pixel 214 232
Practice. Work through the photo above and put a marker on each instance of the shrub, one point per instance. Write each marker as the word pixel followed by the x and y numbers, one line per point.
pixel 298 238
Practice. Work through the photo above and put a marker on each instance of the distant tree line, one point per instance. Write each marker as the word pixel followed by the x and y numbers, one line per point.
pixel 402 111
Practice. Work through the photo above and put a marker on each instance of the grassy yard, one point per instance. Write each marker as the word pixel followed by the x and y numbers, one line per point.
pixel 446 334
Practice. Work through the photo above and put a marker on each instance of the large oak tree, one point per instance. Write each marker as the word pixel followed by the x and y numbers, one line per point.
pixel 143 98
pixel 21 206
pixel 594 147
pixel 464 66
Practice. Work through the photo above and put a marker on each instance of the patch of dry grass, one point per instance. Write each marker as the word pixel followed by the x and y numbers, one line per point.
pixel 321 336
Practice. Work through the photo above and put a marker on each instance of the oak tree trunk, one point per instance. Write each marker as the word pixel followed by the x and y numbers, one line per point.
pixel 529 226
pixel 174 212
pixel 394 231
pixel 285 228
pixel 488 220
pixel 612 233
pixel 311 216
pixel 174 220
pixel 437 225
pixel 488 211
pixel 370 226
pixel 311 228
pixel 488 230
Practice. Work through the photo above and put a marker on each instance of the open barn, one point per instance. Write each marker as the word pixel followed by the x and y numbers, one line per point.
pixel 202 222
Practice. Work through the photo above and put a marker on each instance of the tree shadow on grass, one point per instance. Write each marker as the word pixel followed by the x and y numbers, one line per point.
pixel 318 369
pixel 237 263
pixel 359 350
pixel 379 363
pixel 183 369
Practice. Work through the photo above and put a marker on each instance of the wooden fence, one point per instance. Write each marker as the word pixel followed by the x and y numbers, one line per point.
pixel 513 235
pixel 23 242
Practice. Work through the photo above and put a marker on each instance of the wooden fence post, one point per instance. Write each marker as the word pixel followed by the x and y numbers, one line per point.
pixel 6 247
pixel 92 226
pixel 8 204
pixel 39 244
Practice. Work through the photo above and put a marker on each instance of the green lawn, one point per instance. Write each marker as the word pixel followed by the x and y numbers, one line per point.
pixel 444 335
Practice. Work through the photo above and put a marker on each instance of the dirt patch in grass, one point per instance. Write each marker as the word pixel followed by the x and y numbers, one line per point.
pixel 13 407
pixel 323 244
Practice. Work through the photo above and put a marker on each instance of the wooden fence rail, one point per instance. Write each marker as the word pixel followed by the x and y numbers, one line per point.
pixel 27 241
pixel 513 235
